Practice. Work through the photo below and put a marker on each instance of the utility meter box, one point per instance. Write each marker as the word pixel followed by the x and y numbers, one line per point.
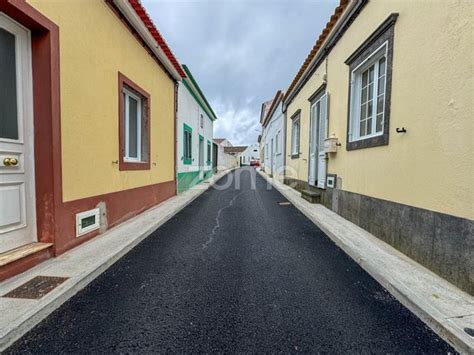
pixel 330 144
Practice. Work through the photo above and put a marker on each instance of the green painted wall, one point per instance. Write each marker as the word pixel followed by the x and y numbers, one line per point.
pixel 190 179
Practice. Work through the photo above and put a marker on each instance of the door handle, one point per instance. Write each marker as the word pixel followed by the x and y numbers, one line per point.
pixel 10 161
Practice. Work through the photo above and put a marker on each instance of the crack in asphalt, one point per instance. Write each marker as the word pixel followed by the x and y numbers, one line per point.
pixel 218 224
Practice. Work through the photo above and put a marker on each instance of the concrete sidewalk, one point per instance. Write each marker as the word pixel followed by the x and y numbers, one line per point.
pixel 442 306
pixel 83 264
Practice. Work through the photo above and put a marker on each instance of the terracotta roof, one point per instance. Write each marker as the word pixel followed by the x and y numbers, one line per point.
pixel 237 149
pixel 322 37
pixel 141 12
pixel 276 100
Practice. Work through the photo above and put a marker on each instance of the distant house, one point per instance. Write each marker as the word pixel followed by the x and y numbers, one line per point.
pixel 250 154
pixel 194 132
pixel 273 137
pixel 225 160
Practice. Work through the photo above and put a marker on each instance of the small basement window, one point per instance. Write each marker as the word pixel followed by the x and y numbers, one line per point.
pixel 87 221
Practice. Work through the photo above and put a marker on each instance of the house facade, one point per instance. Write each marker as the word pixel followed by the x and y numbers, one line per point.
pixel 195 129
pixel 225 160
pixel 273 138
pixel 379 123
pixel 87 138
pixel 250 154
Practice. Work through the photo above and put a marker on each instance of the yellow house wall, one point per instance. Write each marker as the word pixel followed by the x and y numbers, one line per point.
pixel 432 165
pixel 94 46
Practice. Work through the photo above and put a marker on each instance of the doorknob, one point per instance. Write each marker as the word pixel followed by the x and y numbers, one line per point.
pixel 10 161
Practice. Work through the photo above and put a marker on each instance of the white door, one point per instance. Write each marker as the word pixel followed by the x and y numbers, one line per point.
pixel 17 183
pixel 318 133
pixel 322 133
pixel 201 158
pixel 313 143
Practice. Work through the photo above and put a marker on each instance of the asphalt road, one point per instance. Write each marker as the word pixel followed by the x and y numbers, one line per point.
pixel 234 272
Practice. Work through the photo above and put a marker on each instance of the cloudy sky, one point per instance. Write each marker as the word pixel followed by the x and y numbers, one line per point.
pixel 240 52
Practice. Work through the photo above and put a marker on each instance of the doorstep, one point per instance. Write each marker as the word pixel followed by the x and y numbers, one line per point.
pixel 58 279
pixel 442 306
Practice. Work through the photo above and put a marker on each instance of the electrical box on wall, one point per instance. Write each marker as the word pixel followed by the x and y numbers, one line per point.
pixel 330 144
pixel 331 180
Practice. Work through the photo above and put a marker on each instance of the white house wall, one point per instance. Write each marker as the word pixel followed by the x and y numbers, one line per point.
pixel 249 154
pixel 189 112
pixel 274 126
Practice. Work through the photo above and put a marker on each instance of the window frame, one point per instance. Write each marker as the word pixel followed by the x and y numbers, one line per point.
pixel 295 141
pixel 189 130
pixel 209 152
pixel 377 45
pixel 356 93
pixel 128 87
pixel 129 94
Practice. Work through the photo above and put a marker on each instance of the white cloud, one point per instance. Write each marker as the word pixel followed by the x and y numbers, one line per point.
pixel 240 52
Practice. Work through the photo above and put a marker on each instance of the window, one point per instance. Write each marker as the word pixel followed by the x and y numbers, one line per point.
pixel 187 144
pixel 209 158
pixel 201 121
pixel 134 126
pixel 369 97
pixel 295 135
pixel 370 88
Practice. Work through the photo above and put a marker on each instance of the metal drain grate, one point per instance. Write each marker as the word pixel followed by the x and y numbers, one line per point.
pixel 284 203
pixel 36 288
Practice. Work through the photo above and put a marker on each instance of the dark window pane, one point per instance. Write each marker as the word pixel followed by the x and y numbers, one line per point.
pixel 380 103
pixel 379 123
pixel 381 87
pixel 382 66
pixel 8 109
pixel 371 74
pixel 362 128
pixel 132 128
pixel 369 126
pixel 364 79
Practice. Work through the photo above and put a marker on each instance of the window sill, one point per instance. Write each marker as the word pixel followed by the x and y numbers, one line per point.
pixel 125 165
pixel 375 141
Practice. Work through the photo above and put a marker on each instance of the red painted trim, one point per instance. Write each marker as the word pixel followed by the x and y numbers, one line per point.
pixel 46 108
pixel 124 165
pixel 24 264
pixel 120 205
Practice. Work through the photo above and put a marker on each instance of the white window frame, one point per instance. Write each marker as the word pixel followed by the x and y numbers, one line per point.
pixel 295 144
pixel 356 78
pixel 80 216
pixel 127 93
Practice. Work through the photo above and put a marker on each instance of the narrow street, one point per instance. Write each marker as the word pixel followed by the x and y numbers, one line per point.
pixel 235 271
